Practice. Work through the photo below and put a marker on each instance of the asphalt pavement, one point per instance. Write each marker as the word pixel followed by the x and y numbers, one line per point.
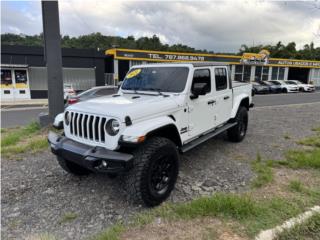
pixel 285 99
pixel 21 116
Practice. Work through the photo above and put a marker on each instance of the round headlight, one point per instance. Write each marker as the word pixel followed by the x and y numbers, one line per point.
pixel 112 127
pixel 67 118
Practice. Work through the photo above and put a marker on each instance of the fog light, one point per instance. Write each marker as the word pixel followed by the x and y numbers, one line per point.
pixel 104 163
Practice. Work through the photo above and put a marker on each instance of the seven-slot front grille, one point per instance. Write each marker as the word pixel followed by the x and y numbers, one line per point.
pixel 87 126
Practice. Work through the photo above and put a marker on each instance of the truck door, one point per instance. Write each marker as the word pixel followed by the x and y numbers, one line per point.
pixel 223 96
pixel 201 117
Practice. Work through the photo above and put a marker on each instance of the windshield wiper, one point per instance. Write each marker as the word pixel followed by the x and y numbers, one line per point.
pixel 155 89
pixel 132 89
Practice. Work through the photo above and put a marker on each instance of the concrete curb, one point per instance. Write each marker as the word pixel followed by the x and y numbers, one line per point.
pixel 24 103
pixel 270 234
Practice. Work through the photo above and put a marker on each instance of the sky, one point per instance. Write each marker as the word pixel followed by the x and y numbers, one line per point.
pixel 220 26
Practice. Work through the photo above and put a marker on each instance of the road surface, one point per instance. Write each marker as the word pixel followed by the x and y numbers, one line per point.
pixel 16 117
pixel 20 116
pixel 285 99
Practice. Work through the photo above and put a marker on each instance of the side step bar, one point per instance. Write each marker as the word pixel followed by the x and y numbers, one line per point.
pixel 206 137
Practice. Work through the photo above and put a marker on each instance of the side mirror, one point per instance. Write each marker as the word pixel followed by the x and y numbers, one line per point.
pixel 198 89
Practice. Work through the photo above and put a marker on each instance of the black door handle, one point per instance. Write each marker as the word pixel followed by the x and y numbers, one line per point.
pixel 211 102
pixel 226 97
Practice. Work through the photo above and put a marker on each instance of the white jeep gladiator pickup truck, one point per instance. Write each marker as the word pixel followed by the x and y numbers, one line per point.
pixel 160 110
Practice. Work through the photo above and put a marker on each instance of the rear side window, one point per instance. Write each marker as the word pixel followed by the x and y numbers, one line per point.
pixel 104 92
pixel 202 76
pixel 221 78
pixel 276 83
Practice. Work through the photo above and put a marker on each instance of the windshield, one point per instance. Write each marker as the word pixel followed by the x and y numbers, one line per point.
pixel 164 79
pixel 276 83
pixel 290 83
pixel 268 83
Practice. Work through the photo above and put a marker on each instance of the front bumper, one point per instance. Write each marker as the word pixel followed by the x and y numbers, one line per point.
pixel 308 89
pixel 96 159
pixel 293 90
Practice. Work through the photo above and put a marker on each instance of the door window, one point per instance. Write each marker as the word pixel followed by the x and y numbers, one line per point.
pixel 221 78
pixel 21 78
pixel 104 92
pixel 202 76
pixel 6 78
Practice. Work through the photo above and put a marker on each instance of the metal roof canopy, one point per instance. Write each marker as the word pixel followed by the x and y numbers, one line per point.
pixel 195 64
pixel 163 56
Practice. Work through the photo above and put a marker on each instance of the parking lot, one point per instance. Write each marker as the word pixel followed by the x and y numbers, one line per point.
pixel 37 194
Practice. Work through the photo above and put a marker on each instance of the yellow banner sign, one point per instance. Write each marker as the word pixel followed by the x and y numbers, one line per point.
pixel 256 58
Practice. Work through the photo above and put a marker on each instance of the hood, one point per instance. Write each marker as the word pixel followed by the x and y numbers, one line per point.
pixel 261 87
pixel 306 85
pixel 135 106
pixel 291 86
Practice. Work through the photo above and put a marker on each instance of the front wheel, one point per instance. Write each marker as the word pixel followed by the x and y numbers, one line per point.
pixel 155 171
pixel 238 132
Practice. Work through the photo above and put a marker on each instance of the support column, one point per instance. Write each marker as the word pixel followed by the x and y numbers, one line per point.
pixel 270 74
pixel 253 71
pixel 116 71
pixel 53 58
pixel 286 72
pixel 233 70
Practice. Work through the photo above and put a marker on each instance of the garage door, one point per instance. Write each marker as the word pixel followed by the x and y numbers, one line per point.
pixel 80 78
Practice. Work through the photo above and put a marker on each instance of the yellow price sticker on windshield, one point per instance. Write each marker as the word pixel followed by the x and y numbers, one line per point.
pixel 133 73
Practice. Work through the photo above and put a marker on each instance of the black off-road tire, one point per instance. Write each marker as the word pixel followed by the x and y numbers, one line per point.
pixel 155 154
pixel 238 132
pixel 112 175
pixel 72 168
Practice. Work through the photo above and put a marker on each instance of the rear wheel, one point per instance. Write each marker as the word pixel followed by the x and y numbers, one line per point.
pixel 284 90
pixel 301 89
pixel 238 132
pixel 155 171
pixel 72 168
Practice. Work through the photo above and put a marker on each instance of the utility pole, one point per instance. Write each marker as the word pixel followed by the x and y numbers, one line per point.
pixel 53 59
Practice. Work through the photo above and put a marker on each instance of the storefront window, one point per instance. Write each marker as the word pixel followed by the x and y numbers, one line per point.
pixel 21 78
pixel 265 73
pixel 316 77
pixel 6 78
pixel 261 74
pixel 274 75
pixel 257 74
pixel 281 73
pixel 242 73
pixel 278 73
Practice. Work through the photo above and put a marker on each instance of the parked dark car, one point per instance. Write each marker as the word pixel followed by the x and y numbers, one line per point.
pixel 92 93
pixel 259 88
pixel 273 88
